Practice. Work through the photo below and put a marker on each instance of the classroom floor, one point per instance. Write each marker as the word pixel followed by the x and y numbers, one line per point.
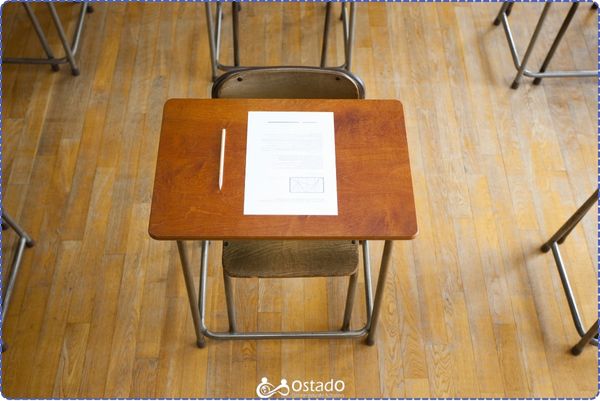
pixel 472 308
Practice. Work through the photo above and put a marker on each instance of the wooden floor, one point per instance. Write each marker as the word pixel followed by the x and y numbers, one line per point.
pixel 472 308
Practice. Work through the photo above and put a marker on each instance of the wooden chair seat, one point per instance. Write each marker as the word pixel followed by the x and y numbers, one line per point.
pixel 290 258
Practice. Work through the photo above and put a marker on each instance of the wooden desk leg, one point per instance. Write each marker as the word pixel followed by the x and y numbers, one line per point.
pixel 191 290
pixel 386 261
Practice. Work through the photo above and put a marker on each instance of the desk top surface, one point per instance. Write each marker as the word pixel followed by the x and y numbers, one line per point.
pixel 375 194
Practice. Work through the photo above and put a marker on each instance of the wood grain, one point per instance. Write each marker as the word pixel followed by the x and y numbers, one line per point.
pixel 472 308
pixel 373 173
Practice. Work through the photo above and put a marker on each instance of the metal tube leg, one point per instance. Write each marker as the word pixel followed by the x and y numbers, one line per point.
pixel 576 316
pixel 6 219
pixel 368 286
pixel 211 40
pixel 530 47
pixel 63 39
pixel 576 350
pixel 14 272
pixel 386 261
pixel 191 291
pixel 509 9
pixel 40 34
pixel 503 9
pixel 350 301
pixel 351 29
pixel 326 34
pixel 559 36
pixel 566 228
pixel 219 23
pixel 236 29
pixel 230 302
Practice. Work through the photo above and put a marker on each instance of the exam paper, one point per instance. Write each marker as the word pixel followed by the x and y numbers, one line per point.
pixel 290 164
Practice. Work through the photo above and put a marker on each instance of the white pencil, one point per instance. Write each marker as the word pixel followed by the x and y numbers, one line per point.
pixel 222 161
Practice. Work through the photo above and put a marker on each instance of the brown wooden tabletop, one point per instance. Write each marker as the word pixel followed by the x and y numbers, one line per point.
pixel 375 194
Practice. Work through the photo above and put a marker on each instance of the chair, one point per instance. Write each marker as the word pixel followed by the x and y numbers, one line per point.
pixel 277 259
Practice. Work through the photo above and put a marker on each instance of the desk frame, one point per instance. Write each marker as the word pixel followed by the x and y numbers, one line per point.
pixel 198 305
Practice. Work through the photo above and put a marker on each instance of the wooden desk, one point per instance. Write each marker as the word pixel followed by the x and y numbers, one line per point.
pixel 375 195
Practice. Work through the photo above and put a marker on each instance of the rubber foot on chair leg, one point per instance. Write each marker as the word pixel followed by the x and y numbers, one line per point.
pixel 4 347
pixel 55 67
pixel 75 72
pixel 537 81
pixel 30 243
pixel 370 341
pixel 496 22
pixel 576 350
pixel 200 343
pixel 545 248
pixel 515 85
pixel 89 9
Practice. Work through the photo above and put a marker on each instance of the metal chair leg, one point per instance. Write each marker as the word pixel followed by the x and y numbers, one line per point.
pixel 350 301
pixel 593 331
pixel 552 244
pixel 326 34
pixel 530 47
pixel 63 39
pixel 509 9
pixel 562 233
pixel 503 10
pixel 559 36
pixel 23 242
pixel 40 34
pixel 230 302
pixel 236 31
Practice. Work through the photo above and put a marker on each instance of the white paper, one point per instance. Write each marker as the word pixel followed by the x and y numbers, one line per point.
pixel 290 164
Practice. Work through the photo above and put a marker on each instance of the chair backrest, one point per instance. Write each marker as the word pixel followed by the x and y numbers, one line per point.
pixel 288 83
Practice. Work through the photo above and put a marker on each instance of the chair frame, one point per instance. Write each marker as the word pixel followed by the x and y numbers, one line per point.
pixel 590 336
pixel 70 50
pixel 333 70
pixel 214 36
pixel 521 64
pixel 23 242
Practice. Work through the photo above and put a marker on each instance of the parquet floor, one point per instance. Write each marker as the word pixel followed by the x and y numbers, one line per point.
pixel 472 308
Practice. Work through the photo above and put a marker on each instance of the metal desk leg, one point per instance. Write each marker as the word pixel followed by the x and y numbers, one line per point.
pixel 530 47
pixel 191 291
pixel 386 261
